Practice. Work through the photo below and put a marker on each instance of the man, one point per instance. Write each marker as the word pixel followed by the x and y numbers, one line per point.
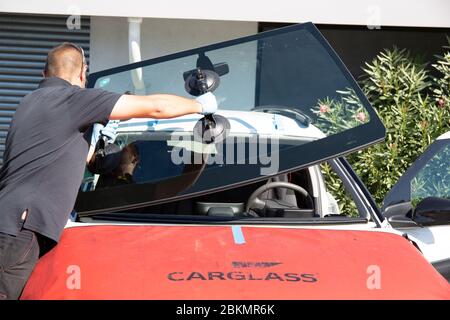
pixel 46 150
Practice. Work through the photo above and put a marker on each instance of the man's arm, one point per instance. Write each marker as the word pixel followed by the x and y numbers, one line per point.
pixel 90 154
pixel 158 106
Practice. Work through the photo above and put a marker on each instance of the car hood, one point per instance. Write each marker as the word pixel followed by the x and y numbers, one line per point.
pixel 232 262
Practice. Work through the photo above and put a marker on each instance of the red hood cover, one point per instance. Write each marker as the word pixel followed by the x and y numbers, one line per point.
pixel 223 262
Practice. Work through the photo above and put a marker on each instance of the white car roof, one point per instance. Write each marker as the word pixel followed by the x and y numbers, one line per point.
pixel 241 123
pixel 444 136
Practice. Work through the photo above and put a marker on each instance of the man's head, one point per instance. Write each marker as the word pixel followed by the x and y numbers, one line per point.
pixel 67 61
pixel 129 160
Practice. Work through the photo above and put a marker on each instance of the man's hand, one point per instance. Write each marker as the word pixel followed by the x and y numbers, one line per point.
pixel 109 131
pixel 208 102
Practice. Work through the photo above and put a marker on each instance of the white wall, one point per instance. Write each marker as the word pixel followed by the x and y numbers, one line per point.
pixel 109 37
pixel 429 13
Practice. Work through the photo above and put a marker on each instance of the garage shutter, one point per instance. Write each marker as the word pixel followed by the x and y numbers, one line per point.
pixel 24 43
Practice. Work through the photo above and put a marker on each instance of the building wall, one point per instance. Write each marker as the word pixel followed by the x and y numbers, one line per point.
pixel 109 37
pixel 429 13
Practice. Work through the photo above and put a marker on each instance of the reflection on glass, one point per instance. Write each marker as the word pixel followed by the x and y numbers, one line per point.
pixel 291 71
pixel 123 173
pixel 338 114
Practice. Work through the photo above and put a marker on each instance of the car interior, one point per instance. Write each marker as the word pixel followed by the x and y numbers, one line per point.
pixel 290 195
pixel 278 201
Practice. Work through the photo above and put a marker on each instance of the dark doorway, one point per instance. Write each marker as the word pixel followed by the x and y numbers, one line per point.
pixel 358 44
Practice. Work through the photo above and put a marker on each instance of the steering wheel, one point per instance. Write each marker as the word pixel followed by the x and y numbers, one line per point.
pixel 255 202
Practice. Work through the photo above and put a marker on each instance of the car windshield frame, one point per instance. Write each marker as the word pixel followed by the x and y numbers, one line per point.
pixel 314 152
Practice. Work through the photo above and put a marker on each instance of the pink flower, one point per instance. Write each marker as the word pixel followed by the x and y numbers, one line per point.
pixel 441 102
pixel 392 146
pixel 324 108
pixel 361 116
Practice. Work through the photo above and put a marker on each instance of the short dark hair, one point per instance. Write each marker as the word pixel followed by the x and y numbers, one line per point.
pixel 58 63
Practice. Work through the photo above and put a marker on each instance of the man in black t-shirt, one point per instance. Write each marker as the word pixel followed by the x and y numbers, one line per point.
pixel 46 150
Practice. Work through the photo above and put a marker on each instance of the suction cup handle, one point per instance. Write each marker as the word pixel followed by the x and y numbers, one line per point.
pixel 201 81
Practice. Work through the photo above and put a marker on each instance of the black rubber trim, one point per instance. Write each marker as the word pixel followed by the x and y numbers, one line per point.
pixel 189 219
pixel 363 188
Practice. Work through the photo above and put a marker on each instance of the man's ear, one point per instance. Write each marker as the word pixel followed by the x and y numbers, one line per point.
pixel 83 77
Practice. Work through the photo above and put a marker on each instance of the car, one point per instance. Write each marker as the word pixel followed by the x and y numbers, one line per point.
pixel 241 204
pixel 419 204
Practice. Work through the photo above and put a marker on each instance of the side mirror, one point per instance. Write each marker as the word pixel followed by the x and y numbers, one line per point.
pixel 432 211
pixel 398 215
pixel 402 222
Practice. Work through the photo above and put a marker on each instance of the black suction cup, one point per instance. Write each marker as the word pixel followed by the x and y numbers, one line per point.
pixel 212 128
pixel 201 81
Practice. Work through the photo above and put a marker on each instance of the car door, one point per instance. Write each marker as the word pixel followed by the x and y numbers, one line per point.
pixel 419 204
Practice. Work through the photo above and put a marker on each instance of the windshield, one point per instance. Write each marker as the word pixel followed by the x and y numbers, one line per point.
pixel 286 101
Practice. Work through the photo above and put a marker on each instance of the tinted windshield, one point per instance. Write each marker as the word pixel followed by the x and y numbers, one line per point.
pixel 288 100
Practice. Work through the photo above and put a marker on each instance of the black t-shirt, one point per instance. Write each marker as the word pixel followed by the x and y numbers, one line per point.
pixel 45 155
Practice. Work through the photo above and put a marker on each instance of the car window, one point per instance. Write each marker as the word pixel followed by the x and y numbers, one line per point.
pixel 433 180
pixel 428 176
pixel 287 98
